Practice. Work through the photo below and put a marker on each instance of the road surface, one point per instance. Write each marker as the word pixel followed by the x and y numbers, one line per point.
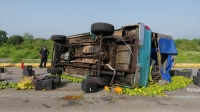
pixel 12 100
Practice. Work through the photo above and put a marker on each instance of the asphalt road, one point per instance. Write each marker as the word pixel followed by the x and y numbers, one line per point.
pixel 12 100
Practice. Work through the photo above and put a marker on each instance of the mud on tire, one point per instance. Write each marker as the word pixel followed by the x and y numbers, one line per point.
pixel 104 28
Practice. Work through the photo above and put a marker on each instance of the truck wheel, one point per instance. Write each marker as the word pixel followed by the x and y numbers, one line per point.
pixel 54 71
pixel 102 81
pixel 104 28
pixel 58 38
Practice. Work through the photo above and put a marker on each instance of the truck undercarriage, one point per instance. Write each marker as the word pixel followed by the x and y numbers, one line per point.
pixel 109 54
pixel 105 55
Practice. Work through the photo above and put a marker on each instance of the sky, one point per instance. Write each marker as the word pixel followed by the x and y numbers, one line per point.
pixel 43 18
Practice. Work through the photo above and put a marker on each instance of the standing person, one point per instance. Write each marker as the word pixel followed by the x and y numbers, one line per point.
pixel 43 54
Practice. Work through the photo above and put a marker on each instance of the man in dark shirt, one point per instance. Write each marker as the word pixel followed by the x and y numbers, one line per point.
pixel 43 54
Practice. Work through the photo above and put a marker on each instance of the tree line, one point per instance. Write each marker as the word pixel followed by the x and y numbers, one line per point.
pixel 188 45
pixel 18 47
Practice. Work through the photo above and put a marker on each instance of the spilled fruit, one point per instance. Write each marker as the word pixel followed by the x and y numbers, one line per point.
pixel 72 78
pixel 118 89
pixel 25 83
pixel 5 85
pixel 155 89
pixel 107 88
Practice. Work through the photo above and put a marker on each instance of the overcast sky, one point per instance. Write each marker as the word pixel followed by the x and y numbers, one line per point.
pixel 43 18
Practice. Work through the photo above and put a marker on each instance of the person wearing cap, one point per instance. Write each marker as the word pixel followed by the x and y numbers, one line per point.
pixel 44 52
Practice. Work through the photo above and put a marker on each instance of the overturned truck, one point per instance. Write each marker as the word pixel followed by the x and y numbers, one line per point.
pixel 115 56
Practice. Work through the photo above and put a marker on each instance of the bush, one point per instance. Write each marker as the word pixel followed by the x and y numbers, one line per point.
pixel 28 49
pixel 15 40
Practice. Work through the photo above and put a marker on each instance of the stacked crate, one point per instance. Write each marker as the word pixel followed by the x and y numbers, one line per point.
pixel 49 82
pixel 174 72
pixel 27 71
pixel 43 85
pixel 155 73
pixel 183 72
pixel 56 78
pixel 196 79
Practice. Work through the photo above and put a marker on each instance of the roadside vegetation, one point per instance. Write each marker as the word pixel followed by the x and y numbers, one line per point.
pixel 188 50
pixel 20 48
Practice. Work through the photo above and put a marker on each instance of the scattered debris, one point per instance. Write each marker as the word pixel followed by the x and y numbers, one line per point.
pixel 9 73
pixel 25 100
pixel 65 105
pixel 73 97
pixel 59 98
pixel 193 89
pixel 162 82
pixel 110 99
pixel 44 105
pixel 74 103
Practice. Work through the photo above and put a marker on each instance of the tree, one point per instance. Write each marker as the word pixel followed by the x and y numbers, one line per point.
pixel 39 42
pixel 3 37
pixel 15 40
pixel 28 36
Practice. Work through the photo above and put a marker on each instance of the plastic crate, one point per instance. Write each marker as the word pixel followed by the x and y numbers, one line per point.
pixel 28 73
pixel 156 76
pixel 56 79
pixel 180 73
pixel 155 73
pixel 174 72
pixel 196 80
pixel 185 74
pixel 34 81
pixel 44 85
pixel 155 68
pixel 188 70
pixel 198 73
pixel 28 68
pixel 1 70
pixel 88 87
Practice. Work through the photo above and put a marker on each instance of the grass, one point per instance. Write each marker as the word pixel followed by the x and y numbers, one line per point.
pixel 16 55
pixel 188 57
pixel 191 53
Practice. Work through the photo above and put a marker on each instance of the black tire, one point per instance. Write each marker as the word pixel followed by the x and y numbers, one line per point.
pixel 104 28
pixel 58 38
pixel 54 71
pixel 102 81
